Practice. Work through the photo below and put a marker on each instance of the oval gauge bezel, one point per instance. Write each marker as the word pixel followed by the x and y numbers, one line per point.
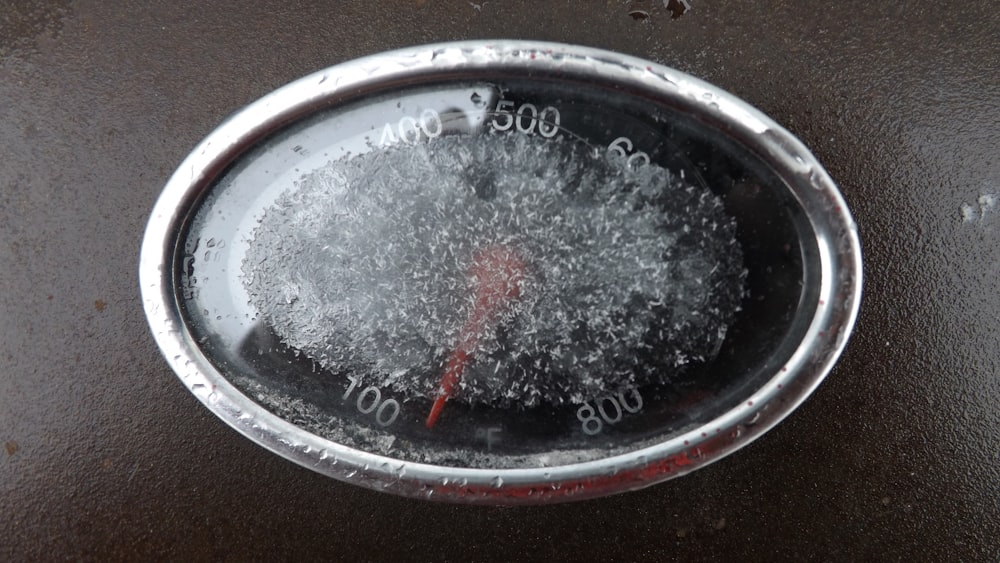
pixel 831 315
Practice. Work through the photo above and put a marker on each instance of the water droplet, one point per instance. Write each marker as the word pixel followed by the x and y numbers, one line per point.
pixel 814 180
pixel 677 8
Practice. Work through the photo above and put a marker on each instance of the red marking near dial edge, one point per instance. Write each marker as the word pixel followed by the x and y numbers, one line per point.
pixel 497 272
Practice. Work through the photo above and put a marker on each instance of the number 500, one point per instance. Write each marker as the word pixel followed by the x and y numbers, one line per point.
pixel 526 118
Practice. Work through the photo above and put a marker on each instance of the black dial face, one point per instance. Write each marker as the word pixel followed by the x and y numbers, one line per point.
pixel 496 274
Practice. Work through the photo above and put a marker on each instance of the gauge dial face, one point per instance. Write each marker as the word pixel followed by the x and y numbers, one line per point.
pixel 495 274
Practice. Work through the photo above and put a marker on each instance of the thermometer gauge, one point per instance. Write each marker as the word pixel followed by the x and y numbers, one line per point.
pixel 501 272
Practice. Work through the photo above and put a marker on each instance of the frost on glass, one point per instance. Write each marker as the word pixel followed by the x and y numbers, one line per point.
pixel 373 265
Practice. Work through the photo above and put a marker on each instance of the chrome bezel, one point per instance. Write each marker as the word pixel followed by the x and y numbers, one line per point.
pixel 839 291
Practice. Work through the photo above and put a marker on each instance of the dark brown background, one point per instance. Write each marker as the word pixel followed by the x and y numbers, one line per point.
pixel 106 455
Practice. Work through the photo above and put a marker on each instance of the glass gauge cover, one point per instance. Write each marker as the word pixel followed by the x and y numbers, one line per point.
pixel 501 272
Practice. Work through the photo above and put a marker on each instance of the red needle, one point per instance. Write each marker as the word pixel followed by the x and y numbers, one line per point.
pixel 497 272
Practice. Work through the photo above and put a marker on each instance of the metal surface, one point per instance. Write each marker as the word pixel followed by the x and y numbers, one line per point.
pixel 107 456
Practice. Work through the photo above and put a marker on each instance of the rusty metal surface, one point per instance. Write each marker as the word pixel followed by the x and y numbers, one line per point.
pixel 106 456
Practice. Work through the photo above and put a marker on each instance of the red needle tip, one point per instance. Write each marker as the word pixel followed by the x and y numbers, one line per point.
pixel 497 272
